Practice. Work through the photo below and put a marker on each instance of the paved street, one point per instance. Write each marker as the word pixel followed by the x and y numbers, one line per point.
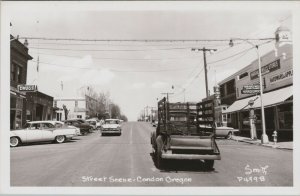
pixel 126 160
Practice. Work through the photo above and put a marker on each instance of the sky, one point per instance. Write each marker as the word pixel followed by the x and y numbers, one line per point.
pixel 137 73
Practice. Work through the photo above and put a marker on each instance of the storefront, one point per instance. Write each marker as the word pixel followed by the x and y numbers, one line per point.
pixel 17 108
pixel 277 78
pixel 39 106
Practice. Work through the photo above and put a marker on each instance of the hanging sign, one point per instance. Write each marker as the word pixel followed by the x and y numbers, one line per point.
pixel 27 88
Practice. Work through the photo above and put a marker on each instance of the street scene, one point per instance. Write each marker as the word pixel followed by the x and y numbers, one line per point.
pixel 150 97
pixel 126 160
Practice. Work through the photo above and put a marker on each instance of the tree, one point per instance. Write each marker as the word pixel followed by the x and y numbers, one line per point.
pixel 115 111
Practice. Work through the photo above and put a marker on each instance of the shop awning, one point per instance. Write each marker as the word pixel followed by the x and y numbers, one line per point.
pixel 269 99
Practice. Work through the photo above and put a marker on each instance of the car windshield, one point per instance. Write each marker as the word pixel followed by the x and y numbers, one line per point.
pixel 92 122
pixel 27 125
pixel 111 122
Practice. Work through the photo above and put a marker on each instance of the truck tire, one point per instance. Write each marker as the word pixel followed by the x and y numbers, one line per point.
pixel 160 162
pixel 209 164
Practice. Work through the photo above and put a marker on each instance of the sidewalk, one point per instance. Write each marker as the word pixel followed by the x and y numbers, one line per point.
pixel 279 145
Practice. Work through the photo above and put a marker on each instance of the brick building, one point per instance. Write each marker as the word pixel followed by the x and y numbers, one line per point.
pixel 19 58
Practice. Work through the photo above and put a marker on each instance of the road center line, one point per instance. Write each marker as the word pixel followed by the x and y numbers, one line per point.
pixel 131 134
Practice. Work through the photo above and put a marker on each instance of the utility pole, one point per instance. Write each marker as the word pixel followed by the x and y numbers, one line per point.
pixel 167 95
pixel 205 64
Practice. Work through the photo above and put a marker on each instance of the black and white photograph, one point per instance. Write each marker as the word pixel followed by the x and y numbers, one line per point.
pixel 149 98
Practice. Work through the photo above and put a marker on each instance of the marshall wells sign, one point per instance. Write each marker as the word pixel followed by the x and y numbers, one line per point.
pixel 27 88
pixel 282 76
pixel 275 65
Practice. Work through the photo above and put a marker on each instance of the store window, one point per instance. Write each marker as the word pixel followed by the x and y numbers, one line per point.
pixel 243 75
pixel 12 72
pixel 245 120
pixel 285 116
pixel 19 74
pixel 230 87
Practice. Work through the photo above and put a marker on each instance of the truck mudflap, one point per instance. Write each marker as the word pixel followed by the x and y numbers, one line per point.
pixel 191 156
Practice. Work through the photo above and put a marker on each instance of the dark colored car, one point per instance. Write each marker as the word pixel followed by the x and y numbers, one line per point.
pixel 84 126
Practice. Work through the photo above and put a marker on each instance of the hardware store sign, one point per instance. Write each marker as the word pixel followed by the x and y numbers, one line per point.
pixel 275 65
pixel 282 76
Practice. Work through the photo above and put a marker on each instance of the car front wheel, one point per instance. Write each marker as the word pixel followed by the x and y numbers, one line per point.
pixel 229 135
pixel 14 141
pixel 60 139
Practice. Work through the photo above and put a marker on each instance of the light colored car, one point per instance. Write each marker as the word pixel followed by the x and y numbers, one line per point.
pixel 41 131
pixel 92 122
pixel 155 123
pixel 59 124
pixel 223 131
pixel 226 132
pixel 111 126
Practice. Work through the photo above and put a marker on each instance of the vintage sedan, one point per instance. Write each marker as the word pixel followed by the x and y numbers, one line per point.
pixel 41 131
pixel 92 122
pixel 111 126
pixel 84 126
pixel 224 131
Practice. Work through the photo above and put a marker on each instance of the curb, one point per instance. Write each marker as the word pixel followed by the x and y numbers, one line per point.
pixel 265 145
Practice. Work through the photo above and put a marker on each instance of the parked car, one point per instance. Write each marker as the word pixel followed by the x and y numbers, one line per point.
pixel 224 131
pixel 59 124
pixel 155 123
pixel 111 126
pixel 40 131
pixel 81 124
pixel 93 123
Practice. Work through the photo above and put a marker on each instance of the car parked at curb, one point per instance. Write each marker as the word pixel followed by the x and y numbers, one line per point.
pixel 41 131
pixel 84 126
pixel 93 123
pixel 111 126
pixel 224 131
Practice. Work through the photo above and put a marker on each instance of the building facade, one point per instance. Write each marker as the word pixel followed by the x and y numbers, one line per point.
pixel 19 58
pixel 277 77
pixel 77 107
pixel 39 106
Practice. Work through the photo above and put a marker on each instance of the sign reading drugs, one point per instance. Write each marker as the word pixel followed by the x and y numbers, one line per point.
pixel 27 88
pixel 250 89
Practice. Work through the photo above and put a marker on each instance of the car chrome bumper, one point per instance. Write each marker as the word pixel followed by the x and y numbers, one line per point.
pixel 116 131
pixel 192 156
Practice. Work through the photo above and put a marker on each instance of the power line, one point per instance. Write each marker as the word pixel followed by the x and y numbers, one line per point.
pixel 107 58
pixel 122 45
pixel 114 70
pixel 112 50
pixel 140 40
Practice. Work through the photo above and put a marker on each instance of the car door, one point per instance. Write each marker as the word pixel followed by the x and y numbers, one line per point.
pixel 48 131
pixel 34 133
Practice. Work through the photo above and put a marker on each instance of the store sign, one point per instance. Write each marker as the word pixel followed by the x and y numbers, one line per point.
pixel 275 65
pixel 282 76
pixel 27 88
pixel 250 89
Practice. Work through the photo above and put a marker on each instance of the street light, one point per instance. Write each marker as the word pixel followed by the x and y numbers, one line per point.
pixel 264 136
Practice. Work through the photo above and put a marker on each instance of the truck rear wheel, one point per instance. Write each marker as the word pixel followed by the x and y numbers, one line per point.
pixel 160 162
pixel 209 164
